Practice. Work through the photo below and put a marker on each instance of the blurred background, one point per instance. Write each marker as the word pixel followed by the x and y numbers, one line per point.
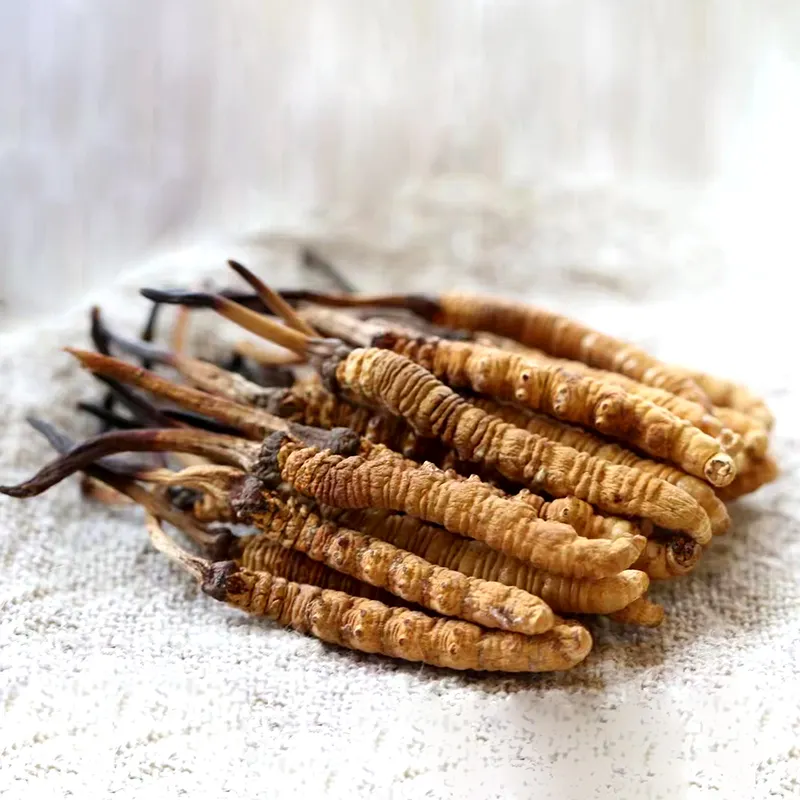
pixel 648 149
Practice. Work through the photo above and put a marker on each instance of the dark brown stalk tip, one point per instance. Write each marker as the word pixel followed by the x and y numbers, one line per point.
pixel 84 454
pixel 178 297
pixel 58 440
pixel 149 331
pixel 148 353
pixel 99 332
pixel 242 271
pixel 107 417
pixel 314 261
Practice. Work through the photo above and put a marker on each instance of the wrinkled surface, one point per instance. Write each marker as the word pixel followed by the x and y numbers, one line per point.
pixel 117 673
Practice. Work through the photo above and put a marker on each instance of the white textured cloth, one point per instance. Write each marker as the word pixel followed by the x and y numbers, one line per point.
pixel 118 677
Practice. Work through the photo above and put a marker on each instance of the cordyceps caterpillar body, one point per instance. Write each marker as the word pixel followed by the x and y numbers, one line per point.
pixel 312 405
pixel 564 595
pixel 392 383
pixel 641 611
pixel 547 385
pixel 585 442
pixel 664 559
pixel 291 524
pixel 370 626
pixel 382 479
pixel 732 428
pixel 569 396
pixel 313 467
pixel 298 567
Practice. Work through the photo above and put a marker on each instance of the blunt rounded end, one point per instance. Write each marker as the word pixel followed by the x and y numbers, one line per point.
pixel 577 642
pixel 731 441
pixel 683 554
pixel 720 470
pixel 756 443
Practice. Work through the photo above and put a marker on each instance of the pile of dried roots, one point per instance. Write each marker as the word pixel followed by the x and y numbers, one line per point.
pixel 447 480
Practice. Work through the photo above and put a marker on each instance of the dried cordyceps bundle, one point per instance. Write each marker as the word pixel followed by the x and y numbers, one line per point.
pixel 394 384
pixel 433 479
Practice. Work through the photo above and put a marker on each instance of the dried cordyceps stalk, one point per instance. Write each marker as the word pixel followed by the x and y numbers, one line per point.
pixel 563 594
pixel 114 474
pixel 585 442
pixel 292 525
pixel 671 558
pixel 395 384
pixel 536 327
pixel 372 627
pixel 641 611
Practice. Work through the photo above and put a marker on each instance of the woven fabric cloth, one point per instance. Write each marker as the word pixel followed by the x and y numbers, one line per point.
pixel 118 676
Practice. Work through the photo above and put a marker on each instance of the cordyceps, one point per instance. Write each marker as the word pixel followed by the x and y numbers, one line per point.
pixel 570 395
pixel 392 383
pixel 437 485
pixel 373 627
pixel 564 595
pixel 378 478
pixel 292 524
pixel 579 439
pixel 310 404
pixel 348 620
pixel 732 428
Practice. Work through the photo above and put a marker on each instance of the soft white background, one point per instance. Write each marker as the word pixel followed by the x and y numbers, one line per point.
pixel 127 129
pixel 634 163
